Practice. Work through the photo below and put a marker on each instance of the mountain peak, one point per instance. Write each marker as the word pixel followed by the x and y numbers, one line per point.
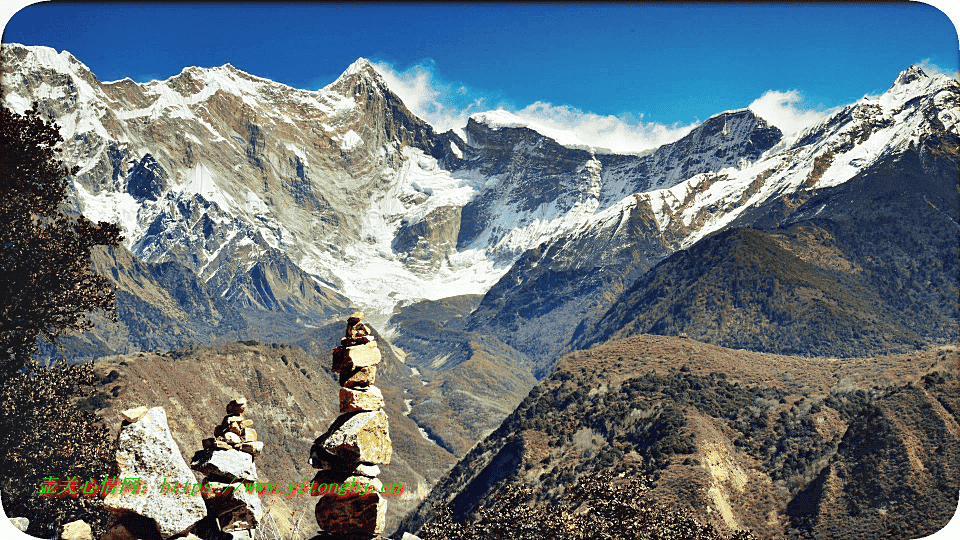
pixel 912 73
pixel 360 70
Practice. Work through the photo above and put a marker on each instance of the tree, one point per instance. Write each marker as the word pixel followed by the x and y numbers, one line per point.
pixel 44 435
pixel 46 281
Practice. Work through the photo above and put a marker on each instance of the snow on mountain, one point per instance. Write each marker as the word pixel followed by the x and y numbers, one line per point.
pixel 825 155
pixel 219 169
pixel 500 118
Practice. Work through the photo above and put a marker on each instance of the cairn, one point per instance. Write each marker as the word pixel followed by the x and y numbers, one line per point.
pixel 358 442
pixel 235 431
pixel 227 460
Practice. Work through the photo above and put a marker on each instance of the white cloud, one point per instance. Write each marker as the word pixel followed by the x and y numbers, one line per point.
pixel 449 105
pixel 621 134
pixel 784 110
pixel 932 69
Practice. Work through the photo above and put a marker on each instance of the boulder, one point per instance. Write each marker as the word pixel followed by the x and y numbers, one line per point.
pixel 363 398
pixel 343 484
pixel 225 464
pixel 360 437
pixel 146 451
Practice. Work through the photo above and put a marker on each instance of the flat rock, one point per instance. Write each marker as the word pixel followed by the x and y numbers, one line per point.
pixel 364 355
pixel 362 437
pixel 364 376
pixel 252 447
pixel 362 398
pixel 134 414
pixel 227 464
pixel 321 459
pixel 146 450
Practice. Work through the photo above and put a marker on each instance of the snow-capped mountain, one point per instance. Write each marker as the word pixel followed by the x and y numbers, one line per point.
pixel 252 185
pixel 219 170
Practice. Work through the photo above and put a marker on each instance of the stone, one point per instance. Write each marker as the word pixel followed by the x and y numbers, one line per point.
pixel 146 450
pixel 339 359
pixel 247 423
pixel 367 398
pixel 76 530
pixel 359 437
pixel 253 448
pixel 408 536
pixel 226 464
pixel 232 424
pixel 249 435
pixel 333 482
pixel 364 355
pixel 367 470
pixel 132 415
pixel 232 438
pixel 352 514
pixel 237 406
pixel 21 523
pixel 364 376
pixel 211 488
pixel 235 507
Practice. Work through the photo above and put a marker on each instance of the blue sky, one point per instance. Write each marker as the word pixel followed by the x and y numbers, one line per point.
pixel 647 71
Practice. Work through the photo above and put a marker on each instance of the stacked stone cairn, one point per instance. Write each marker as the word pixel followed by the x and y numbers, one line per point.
pixel 227 461
pixel 357 443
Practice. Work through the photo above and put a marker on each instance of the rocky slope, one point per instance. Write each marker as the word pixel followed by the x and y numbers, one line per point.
pixel 742 440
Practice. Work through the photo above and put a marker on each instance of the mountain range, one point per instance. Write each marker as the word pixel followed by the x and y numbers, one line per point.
pixel 255 211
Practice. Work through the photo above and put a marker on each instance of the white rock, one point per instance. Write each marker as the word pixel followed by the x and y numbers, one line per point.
pixel 225 464
pixel 146 450
pixel 21 523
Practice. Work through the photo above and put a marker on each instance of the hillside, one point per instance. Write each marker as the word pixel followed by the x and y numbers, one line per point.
pixel 293 399
pixel 735 438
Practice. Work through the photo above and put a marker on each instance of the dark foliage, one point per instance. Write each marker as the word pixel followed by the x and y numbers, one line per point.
pixel 46 284
pixel 43 433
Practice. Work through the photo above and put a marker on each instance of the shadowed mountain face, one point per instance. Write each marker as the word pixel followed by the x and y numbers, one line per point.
pixel 870 265
pixel 780 445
